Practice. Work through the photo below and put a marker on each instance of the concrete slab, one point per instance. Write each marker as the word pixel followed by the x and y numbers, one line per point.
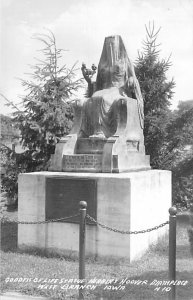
pixel 126 201
pixel 19 296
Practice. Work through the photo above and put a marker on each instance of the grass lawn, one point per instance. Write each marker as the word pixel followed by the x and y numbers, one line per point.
pixel 152 266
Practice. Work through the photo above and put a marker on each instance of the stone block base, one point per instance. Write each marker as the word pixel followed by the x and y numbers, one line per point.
pixel 126 201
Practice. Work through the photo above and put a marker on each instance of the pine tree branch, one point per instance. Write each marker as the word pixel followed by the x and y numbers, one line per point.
pixel 10 102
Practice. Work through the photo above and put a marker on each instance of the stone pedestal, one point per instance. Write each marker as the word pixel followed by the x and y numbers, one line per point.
pixel 126 201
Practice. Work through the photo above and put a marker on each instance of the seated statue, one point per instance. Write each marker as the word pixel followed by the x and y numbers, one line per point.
pixel 115 81
pixel 107 134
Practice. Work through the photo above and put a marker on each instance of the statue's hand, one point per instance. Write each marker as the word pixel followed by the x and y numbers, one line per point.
pixel 131 82
pixel 88 73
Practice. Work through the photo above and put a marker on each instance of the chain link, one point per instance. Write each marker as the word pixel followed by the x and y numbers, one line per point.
pixel 123 231
pixel 7 220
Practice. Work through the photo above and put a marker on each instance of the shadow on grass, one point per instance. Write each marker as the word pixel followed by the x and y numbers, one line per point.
pixel 150 291
pixel 9 243
pixel 9 237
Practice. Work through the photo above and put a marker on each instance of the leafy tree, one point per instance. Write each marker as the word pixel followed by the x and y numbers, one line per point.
pixel 8 131
pixel 185 112
pixel 180 134
pixel 9 136
pixel 46 113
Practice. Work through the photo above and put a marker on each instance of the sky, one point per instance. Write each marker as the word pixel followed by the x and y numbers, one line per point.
pixel 80 27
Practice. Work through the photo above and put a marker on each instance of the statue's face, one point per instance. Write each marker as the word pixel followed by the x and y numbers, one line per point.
pixel 113 75
pixel 113 65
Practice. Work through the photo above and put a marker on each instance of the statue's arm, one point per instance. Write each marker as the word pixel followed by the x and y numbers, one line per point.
pixel 128 90
pixel 133 90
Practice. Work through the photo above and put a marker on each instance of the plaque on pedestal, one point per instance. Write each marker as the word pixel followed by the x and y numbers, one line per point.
pixel 64 194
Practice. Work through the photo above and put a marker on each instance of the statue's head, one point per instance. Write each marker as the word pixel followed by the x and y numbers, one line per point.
pixel 113 50
pixel 114 67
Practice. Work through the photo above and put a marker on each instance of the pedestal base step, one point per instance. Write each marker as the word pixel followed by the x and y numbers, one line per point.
pixel 90 145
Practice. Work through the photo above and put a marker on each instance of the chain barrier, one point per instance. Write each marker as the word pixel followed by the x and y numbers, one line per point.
pixel 123 231
pixel 7 220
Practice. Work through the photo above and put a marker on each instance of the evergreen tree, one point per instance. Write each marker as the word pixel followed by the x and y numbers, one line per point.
pixel 166 133
pixel 46 113
pixel 157 92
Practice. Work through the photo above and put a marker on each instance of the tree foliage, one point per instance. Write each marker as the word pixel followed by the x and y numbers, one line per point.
pixel 46 113
pixel 47 116
pixel 182 166
pixel 157 92
pixel 166 133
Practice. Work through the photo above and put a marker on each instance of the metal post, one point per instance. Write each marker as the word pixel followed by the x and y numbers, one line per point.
pixel 172 250
pixel 83 206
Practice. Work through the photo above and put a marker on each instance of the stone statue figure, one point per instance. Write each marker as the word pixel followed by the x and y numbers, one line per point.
pixel 115 81
pixel 107 134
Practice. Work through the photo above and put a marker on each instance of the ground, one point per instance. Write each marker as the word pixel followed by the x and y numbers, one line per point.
pixel 143 278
